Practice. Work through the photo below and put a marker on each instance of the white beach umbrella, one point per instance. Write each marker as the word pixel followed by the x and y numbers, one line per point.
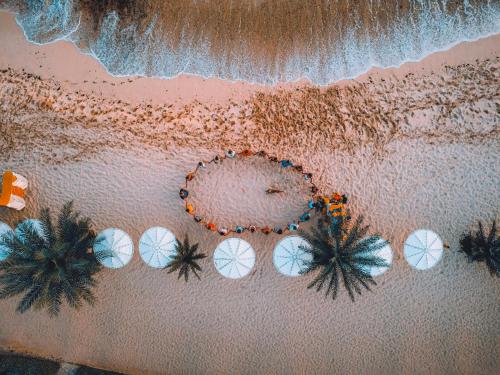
pixel 289 258
pixel 4 230
pixel 37 224
pixel 386 254
pixel 234 258
pixel 118 243
pixel 157 247
pixel 423 249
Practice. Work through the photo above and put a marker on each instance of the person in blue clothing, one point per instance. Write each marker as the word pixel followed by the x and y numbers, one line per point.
pixel 183 193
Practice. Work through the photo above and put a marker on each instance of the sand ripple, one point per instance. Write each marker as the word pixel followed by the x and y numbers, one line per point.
pixel 456 105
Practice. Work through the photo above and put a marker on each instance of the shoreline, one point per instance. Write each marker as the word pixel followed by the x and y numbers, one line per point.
pixel 321 50
pixel 300 81
pixel 185 89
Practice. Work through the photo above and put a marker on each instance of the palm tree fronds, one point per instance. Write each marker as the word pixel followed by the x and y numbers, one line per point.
pixel 185 259
pixel 342 252
pixel 30 298
pixel 479 247
pixel 47 227
pixel 52 264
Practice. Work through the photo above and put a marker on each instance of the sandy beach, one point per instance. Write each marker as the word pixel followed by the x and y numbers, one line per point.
pixel 414 147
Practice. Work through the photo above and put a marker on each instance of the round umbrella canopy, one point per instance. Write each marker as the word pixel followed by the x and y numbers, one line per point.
pixel 386 254
pixel 423 249
pixel 37 224
pixel 4 230
pixel 157 246
pixel 118 244
pixel 289 257
pixel 234 258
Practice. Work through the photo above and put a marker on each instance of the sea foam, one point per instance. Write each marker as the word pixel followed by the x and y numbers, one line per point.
pixel 344 49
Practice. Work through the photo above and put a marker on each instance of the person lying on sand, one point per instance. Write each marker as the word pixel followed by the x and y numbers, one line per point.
pixel 272 190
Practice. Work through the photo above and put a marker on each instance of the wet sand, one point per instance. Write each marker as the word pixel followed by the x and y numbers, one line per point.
pixel 415 146
pixel 255 40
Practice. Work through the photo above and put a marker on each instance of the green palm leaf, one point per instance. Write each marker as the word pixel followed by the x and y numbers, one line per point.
pixel 51 266
pixel 342 252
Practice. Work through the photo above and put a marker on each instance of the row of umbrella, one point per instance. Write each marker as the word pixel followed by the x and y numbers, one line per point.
pixel 235 258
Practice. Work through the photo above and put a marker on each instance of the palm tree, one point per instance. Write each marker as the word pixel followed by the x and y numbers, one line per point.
pixel 185 259
pixel 479 247
pixel 48 263
pixel 342 251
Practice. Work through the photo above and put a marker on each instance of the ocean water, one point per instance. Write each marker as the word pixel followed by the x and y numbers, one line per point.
pixel 261 41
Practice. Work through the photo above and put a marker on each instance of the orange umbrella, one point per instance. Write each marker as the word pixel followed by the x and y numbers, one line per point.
pixel 13 187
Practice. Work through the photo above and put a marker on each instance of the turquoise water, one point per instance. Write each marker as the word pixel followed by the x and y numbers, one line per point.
pixel 344 48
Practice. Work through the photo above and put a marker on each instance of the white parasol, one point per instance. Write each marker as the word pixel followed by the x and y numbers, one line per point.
pixel 423 249
pixel 386 254
pixel 234 258
pixel 118 244
pixel 289 258
pixel 157 246
pixel 37 224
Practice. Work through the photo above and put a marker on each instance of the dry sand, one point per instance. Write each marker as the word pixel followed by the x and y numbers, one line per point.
pixel 249 178
pixel 416 146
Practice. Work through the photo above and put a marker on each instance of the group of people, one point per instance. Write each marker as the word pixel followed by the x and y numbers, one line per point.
pixel 333 206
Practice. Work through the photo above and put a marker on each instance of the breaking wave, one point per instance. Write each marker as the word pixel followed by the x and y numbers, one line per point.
pixel 259 41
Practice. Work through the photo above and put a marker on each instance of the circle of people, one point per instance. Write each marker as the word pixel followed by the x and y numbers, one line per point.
pixel 333 206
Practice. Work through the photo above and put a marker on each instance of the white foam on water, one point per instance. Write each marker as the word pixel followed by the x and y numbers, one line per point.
pixel 141 51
